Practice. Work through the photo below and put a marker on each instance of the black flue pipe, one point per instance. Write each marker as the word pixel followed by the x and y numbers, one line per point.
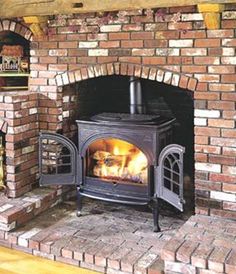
pixel 136 100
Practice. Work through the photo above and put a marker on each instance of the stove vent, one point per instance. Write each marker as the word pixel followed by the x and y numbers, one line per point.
pixel 136 100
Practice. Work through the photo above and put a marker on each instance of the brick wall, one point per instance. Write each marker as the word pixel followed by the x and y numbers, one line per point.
pixel 170 46
pixel 18 121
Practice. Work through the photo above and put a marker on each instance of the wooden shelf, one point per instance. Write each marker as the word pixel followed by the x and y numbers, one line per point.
pixel 13 88
pixel 14 74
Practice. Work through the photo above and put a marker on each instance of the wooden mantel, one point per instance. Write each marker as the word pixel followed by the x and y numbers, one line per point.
pixel 20 8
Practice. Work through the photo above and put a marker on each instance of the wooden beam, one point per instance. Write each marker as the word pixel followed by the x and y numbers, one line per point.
pixel 16 8
pixel 211 14
pixel 37 24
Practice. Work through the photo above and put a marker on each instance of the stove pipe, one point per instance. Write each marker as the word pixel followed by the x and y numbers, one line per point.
pixel 136 100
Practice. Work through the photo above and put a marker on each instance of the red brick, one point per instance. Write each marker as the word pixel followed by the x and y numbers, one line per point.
pixel 183 83
pixel 142 35
pixel 207 96
pixel 193 34
pixel 222 87
pixel 169 251
pixel 207 131
pixel 180 26
pixel 202 86
pixel 109 44
pixel 211 78
pixel 68 45
pixel 57 67
pixel 224 105
pixel 229 151
pixel 200 157
pixel 229 78
pixel 215 52
pixel 78 52
pixel 119 36
pixel 48 60
pixel 229 188
pixel 207 43
pixel 154 60
pixel 221 69
pixel 58 37
pixel 217 259
pixel 207 149
pixel 48 45
pixel 229 97
pixel 200 255
pixel 201 140
pixel 221 123
pixel 220 33
pixel 132 27
pixel 230 263
pixel 155 43
pixel 193 69
pixel 75 36
pixel 109 59
pixel 229 114
pixel 218 159
pixel 132 44
pixel 140 19
pixel 206 60
pixel 186 250
pixel 229 133
pixel 192 84
pixel 38 81
pixel 66 60
pixel 129 59
pixel 86 60
pixel 228 24
pixel 222 178
pixel 167 35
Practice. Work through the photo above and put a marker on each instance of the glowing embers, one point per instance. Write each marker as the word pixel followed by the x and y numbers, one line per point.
pixel 117 160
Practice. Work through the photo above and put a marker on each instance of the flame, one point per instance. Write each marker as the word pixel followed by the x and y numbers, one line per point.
pixel 118 160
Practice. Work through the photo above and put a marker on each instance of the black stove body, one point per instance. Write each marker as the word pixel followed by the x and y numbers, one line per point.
pixel 160 171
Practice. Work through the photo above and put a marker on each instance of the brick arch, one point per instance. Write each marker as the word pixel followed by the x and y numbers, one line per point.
pixel 127 69
pixel 10 25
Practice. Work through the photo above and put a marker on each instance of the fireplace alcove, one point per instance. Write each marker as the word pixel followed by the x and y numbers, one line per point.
pixel 111 94
pixel 172 112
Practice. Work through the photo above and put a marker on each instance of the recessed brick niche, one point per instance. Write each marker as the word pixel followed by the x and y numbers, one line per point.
pixel 170 49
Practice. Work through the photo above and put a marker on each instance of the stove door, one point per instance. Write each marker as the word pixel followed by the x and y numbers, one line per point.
pixel 169 175
pixel 57 160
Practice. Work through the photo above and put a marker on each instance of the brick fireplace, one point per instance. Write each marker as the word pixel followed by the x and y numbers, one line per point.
pixel 171 47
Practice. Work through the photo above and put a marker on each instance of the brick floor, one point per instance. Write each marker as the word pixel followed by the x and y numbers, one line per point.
pixel 202 245
pixel 109 238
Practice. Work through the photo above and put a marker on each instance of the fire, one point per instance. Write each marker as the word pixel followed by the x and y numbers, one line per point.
pixel 114 159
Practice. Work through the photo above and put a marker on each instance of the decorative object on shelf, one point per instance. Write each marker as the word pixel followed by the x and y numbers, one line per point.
pixel 11 57
pixel 24 65
pixel 2 151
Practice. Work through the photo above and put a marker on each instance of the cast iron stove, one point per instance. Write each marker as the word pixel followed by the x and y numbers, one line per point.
pixel 121 157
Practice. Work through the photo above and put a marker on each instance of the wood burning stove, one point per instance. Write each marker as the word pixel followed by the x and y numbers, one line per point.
pixel 121 157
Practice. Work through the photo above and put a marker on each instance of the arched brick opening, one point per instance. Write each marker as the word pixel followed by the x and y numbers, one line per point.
pixel 9 25
pixel 146 72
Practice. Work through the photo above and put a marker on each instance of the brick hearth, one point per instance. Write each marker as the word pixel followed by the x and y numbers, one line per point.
pixel 16 212
pixel 202 245
pixel 109 238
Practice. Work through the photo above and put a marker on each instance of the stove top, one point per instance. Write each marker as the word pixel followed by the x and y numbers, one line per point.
pixel 121 118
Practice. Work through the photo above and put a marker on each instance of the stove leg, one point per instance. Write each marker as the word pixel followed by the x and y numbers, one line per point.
pixel 155 208
pixel 79 202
